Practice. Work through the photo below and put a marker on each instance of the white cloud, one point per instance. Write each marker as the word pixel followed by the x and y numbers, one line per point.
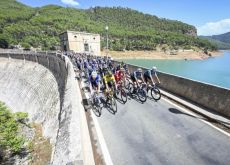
pixel 70 2
pixel 214 28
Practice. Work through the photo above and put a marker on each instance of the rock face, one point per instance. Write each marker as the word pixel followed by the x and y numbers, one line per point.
pixel 43 86
pixel 192 32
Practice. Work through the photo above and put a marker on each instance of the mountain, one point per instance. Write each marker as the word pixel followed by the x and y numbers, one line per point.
pixel 128 29
pixel 222 41
pixel 222 37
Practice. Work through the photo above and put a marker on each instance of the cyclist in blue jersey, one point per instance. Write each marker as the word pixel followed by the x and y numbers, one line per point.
pixel 94 80
pixel 137 76
pixel 86 64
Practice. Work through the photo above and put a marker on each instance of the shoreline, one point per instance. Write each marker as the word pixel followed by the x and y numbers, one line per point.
pixel 182 55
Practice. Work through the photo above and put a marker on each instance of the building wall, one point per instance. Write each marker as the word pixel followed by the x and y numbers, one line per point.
pixel 75 41
pixel 64 41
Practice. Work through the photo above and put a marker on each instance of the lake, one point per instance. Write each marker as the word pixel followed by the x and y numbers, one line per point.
pixel 214 70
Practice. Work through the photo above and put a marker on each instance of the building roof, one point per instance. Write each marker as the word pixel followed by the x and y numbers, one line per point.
pixel 69 31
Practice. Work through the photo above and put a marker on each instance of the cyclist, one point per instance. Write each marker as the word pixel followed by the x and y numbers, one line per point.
pixel 126 68
pixel 109 80
pixel 137 76
pixel 79 63
pixel 120 75
pixel 110 64
pixel 104 69
pixel 151 75
pixel 94 80
pixel 86 64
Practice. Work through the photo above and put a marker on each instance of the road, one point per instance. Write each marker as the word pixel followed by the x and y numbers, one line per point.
pixel 161 133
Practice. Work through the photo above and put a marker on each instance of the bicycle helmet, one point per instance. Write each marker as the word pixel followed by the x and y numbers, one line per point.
pixel 94 74
pixel 139 70
pixel 110 73
pixel 154 68
pixel 122 69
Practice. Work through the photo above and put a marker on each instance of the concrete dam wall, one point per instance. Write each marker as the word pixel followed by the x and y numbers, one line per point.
pixel 43 85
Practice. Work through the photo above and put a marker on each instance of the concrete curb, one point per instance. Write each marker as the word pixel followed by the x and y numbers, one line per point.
pixel 87 150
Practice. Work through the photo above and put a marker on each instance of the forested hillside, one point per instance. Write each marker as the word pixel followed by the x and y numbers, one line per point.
pixel 128 29
pixel 222 41
pixel 222 37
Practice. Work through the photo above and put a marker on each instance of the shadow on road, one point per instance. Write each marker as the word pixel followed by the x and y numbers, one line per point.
pixel 176 111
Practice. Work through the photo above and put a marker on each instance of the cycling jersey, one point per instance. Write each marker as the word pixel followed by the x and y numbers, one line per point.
pixel 119 76
pixel 95 82
pixel 79 64
pixel 137 74
pixel 150 73
pixel 86 64
pixel 118 67
pixel 108 78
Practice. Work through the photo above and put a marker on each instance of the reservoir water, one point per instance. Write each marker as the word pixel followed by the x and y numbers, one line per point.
pixel 214 71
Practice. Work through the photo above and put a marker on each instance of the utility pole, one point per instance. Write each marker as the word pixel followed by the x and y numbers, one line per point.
pixel 107 41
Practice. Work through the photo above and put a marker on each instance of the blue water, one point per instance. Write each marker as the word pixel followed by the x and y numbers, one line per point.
pixel 214 71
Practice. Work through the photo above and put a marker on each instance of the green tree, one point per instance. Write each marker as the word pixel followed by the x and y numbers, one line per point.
pixel 3 42
pixel 9 126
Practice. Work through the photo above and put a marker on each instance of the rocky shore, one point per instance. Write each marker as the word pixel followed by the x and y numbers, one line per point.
pixel 179 55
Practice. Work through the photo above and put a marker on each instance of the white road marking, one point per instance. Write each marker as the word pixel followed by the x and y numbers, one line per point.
pixel 195 115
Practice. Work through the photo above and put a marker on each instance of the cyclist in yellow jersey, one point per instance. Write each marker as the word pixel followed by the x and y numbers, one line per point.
pixel 109 80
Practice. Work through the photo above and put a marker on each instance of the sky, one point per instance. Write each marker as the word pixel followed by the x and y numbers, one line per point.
pixel 210 17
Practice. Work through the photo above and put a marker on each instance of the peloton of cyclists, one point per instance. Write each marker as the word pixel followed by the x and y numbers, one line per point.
pixel 99 69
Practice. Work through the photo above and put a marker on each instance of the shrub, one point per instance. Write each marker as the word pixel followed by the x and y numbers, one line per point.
pixel 9 125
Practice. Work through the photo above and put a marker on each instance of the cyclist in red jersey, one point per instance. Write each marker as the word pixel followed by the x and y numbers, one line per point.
pixel 119 75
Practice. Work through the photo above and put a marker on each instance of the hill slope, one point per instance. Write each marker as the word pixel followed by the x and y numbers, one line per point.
pixel 222 37
pixel 222 41
pixel 128 29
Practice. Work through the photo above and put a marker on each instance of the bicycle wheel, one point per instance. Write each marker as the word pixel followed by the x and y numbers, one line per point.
pixel 131 88
pixel 126 84
pixel 113 104
pixel 155 93
pixel 96 107
pixel 142 95
pixel 79 75
pixel 123 95
pixel 97 110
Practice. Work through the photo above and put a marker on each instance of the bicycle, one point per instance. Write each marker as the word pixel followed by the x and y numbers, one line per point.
pixel 95 103
pixel 155 92
pixel 139 91
pixel 110 100
pixel 121 92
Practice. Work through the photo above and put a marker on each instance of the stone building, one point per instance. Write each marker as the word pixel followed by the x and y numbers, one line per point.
pixel 80 42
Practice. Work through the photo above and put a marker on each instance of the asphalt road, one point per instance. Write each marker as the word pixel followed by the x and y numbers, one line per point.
pixel 159 133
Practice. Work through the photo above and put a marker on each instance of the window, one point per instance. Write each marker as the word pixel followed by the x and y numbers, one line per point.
pixel 86 46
